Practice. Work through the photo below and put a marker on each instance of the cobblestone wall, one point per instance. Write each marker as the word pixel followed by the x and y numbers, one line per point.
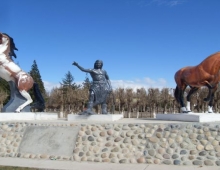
pixel 176 144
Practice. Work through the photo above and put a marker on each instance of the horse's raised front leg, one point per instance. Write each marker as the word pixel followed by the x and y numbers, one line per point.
pixel 27 96
pixel 192 91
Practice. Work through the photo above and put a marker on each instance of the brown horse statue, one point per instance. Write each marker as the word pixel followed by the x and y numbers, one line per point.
pixel 207 73
pixel 16 77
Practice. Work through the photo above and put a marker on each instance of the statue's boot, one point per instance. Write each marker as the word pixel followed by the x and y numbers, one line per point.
pixel 88 111
pixel 104 109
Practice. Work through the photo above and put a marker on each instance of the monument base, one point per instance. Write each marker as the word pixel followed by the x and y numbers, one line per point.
pixel 96 117
pixel 190 117
pixel 28 116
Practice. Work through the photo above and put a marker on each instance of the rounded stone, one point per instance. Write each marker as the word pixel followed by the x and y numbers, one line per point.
pixel 108 144
pixel 203 142
pixel 215 143
pixel 166 156
pixel 183 152
pixel 184 158
pixel 141 160
pixel 197 162
pixel 102 134
pixel 157 161
pixel 135 142
pixel 95 134
pixel 179 139
pixel 159 156
pixel 169 151
pixel 123 161
pixel 125 128
pixel 208 163
pixel 127 140
pixel 210 157
pixel 88 132
pixel 117 129
pixel 175 156
pixel 81 154
pixel 153 139
pixel 116 149
pixel 122 134
pixel 191 157
pixel 173 145
pixel 161 151
pixel 114 160
pixel 217 163
pixel 120 156
pixel 164 144
pixel 76 150
pixel 129 133
pixel 105 150
pixel 43 156
pixel 200 147
pixel 117 139
pixel 97 160
pixel 106 160
pixel 159 135
pixel 167 162
pixel 176 162
pixel 104 155
pixel 112 155
pixel 202 153
pixel 209 147
pixel 110 132
pixel 217 148
pixel 90 138
pixel 193 152
pixel 96 149
pixel 151 152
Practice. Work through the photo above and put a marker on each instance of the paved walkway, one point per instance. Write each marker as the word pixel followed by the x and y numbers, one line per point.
pixel 69 165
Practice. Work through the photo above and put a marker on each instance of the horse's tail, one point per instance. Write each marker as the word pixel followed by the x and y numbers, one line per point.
pixel 40 103
pixel 176 94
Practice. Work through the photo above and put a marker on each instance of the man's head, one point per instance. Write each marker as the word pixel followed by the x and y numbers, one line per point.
pixel 98 64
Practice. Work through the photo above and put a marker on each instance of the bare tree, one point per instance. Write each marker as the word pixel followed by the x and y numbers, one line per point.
pixel 129 99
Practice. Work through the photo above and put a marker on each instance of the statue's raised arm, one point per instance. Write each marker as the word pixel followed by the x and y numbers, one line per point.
pixel 81 68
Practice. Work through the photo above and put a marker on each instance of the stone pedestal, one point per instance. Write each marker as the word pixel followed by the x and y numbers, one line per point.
pixel 28 116
pixel 96 117
pixel 16 99
pixel 190 117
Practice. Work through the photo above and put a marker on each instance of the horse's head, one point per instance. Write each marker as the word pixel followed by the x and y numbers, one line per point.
pixel 8 45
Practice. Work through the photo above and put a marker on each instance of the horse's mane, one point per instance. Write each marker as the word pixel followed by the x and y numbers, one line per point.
pixel 12 46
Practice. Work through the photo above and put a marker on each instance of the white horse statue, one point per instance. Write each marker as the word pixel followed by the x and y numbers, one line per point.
pixel 11 72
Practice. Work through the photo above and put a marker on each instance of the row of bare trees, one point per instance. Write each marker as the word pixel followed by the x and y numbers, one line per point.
pixel 131 103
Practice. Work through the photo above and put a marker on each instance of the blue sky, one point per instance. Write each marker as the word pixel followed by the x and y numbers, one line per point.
pixel 141 42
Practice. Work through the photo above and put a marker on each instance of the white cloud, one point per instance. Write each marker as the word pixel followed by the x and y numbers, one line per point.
pixel 139 83
pixel 145 82
pixel 49 85
pixel 170 3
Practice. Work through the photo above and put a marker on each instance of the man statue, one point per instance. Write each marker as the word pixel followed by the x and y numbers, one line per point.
pixel 100 88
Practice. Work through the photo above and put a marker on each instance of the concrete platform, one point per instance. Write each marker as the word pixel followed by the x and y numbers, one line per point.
pixel 98 117
pixel 190 117
pixel 72 165
pixel 10 116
